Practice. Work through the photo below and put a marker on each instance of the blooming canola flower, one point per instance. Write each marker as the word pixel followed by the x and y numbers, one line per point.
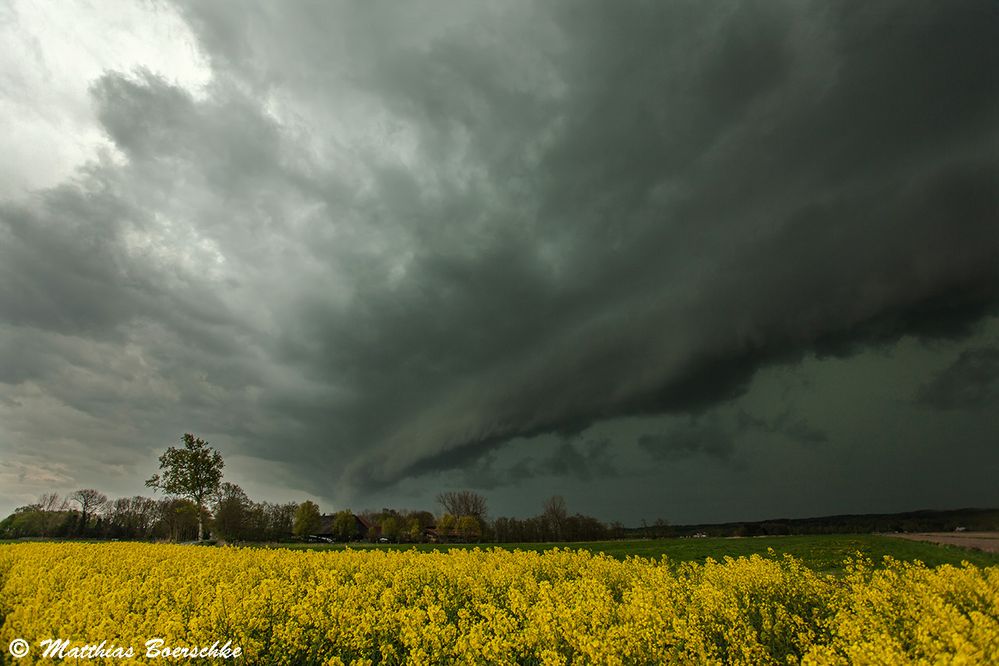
pixel 490 606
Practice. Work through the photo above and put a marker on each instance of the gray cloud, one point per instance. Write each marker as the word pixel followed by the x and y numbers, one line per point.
pixel 592 459
pixel 786 423
pixel 970 382
pixel 383 242
pixel 569 460
pixel 717 437
pixel 696 438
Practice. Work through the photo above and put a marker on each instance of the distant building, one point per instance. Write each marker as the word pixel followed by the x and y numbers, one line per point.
pixel 366 529
pixel 363 529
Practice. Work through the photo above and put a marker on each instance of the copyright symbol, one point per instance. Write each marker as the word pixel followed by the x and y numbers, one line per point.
pixel 18 648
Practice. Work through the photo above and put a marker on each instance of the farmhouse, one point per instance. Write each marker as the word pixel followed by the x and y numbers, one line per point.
pixel 363 529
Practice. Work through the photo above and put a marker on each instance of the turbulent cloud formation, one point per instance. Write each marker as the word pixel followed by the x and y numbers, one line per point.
pixel 570 459
pixel 381 241
pixel 708 439
pixel 971 381
pixel 713 438
pixel 786 424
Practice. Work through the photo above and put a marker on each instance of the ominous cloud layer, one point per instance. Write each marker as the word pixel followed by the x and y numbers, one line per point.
pixel 970 382
pixel 381 241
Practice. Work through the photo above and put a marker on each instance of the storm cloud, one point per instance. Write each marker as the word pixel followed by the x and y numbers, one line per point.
pixel 970 382
pixel 381 242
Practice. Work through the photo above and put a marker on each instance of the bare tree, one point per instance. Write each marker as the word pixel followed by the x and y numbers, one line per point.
pixel 130 517
pixel 177 518
pixel 50 502
pixel 280 519
pixel 144 515
pixel 463 503
pixel 50 509
pixel 90 501
pixel 555 514
pixel 231 504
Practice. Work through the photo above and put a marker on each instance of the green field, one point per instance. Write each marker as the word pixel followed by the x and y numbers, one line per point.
pixel 823 553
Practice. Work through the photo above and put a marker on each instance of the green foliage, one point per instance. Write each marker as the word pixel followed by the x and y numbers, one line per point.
pixel 344 526
pixel 390 528
pixel 414 530
pixel 90 501
pixel 231 508
pixel 178 519
pixel 822 553
pixel 468 528
pixel 307 519
pixel 193 472
pixel 446 526
pixel 28 521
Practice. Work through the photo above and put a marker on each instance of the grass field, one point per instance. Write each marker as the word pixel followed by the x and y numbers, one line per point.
pixel 822 553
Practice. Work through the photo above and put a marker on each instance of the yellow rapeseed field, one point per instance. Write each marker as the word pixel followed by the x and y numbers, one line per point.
pixel 489 607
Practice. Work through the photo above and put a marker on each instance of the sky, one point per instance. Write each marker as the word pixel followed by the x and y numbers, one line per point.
pixel 680 260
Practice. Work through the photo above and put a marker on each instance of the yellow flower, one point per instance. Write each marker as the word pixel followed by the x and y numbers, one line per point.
pixel 495 606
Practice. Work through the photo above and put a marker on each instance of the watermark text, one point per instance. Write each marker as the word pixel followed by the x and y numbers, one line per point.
pixel 154 648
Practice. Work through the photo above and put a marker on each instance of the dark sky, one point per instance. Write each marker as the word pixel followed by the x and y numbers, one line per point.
pixel 698 261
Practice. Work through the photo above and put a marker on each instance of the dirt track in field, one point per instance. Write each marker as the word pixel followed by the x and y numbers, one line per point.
pixel 987 541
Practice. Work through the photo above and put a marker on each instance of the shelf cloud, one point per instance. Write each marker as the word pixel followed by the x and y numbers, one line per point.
pixel 378 242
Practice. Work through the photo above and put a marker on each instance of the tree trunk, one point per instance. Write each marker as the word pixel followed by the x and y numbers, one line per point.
pixel 201 525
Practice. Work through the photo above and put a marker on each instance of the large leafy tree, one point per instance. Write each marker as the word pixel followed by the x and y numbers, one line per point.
pixel 193 471
pixel 446 526
pixel 344 525
pixel 468 528
pixel 307 519
pixel 390 527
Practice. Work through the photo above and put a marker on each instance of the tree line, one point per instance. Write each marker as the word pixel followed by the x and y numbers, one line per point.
pixel 140 518
pixel 198 502
pixel 231 516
